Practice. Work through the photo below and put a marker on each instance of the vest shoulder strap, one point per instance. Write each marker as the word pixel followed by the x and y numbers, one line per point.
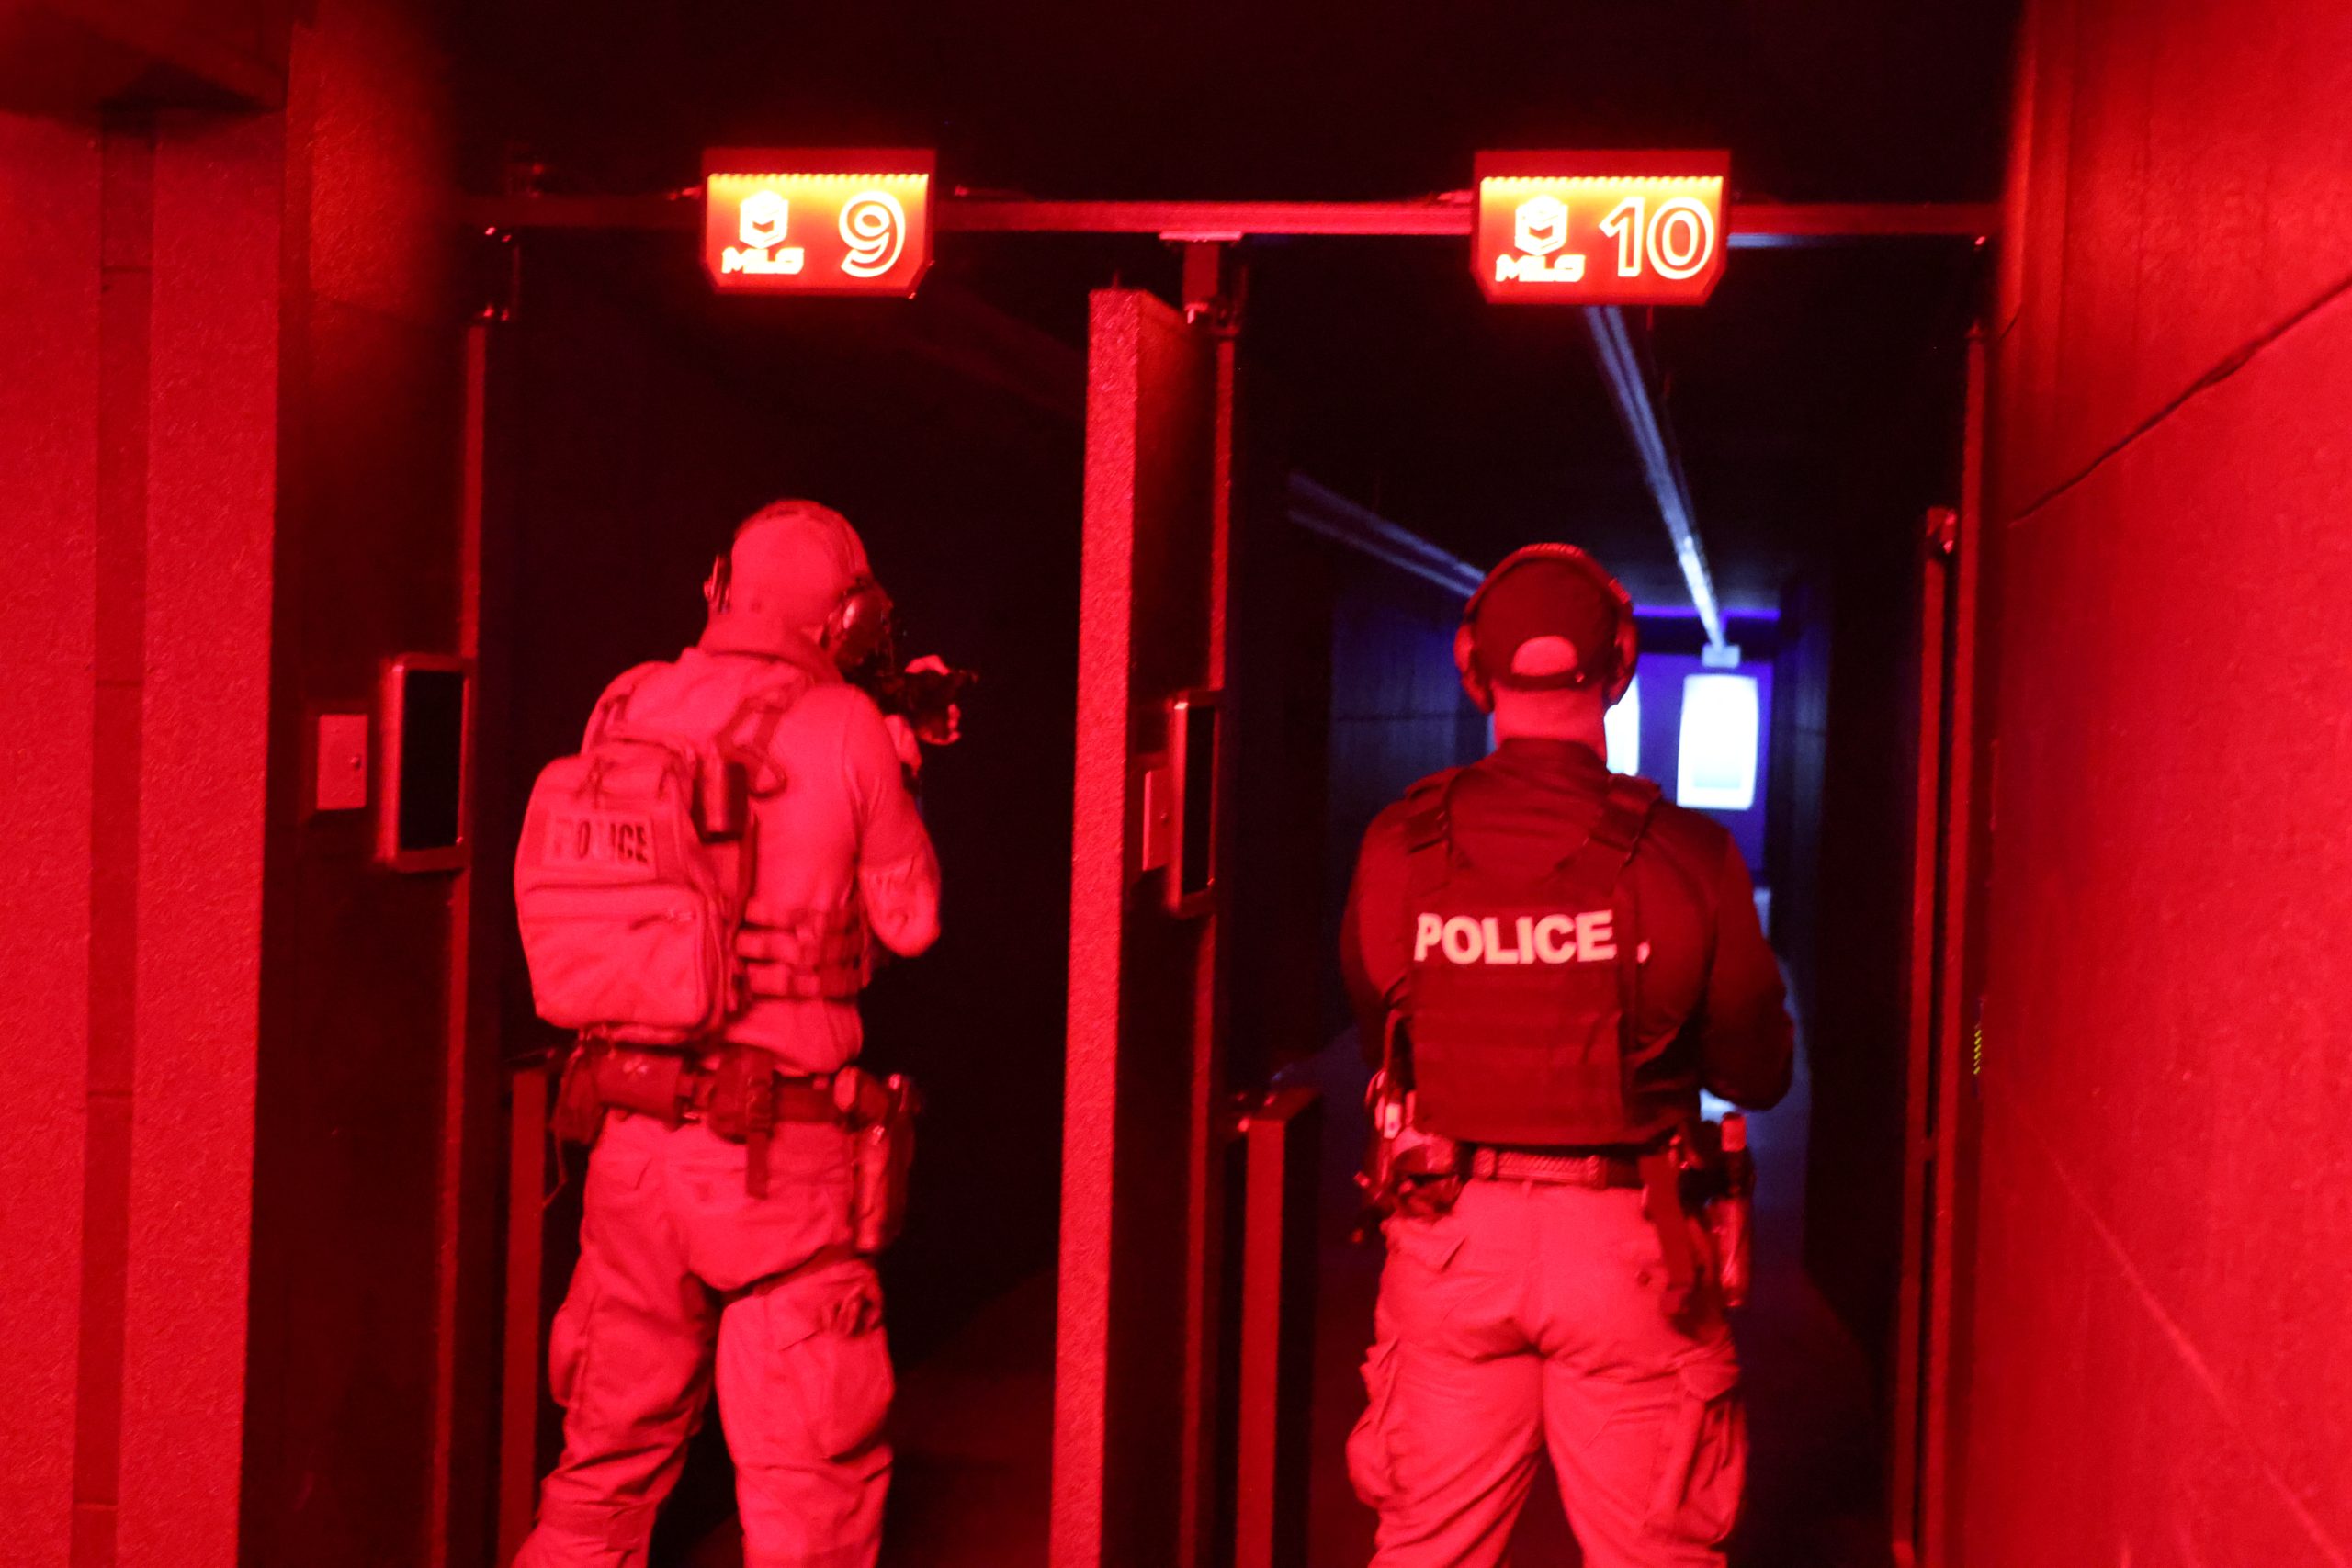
pixel 1596 866
pixel 1427 836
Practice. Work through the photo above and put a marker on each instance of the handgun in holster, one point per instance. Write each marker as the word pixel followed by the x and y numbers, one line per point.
pixel 1717 1186
pixel 879 1114
pixel 1730 1215
pixel 1406 1170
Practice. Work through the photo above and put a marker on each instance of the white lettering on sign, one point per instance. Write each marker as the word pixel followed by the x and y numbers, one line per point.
pixel 1540 225
pixel 784 259
pixel 1682 238
pixel 1587 938
pixel 604 841
pixel 760 220
pixel 1539 228
pixel 1623 225
pixel 1539 269
pixel 1594 229
pixel 1678 242
pixel 874 227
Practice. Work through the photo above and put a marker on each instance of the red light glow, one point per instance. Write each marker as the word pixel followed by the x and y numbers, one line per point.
pixel 1599 227
pixel 817 222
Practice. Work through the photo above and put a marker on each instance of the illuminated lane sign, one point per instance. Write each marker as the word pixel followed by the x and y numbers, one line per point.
pixel 816 221
pixel 1599 227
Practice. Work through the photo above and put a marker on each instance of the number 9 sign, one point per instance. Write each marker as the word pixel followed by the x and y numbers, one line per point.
pixel 829 221
pixel 874 227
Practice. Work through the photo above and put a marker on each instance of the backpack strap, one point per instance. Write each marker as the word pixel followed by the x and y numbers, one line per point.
pixel 748 736
pixel 612 708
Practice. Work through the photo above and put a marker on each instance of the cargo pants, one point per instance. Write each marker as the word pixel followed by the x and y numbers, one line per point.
pixel 683 1275
pixel 1530 1317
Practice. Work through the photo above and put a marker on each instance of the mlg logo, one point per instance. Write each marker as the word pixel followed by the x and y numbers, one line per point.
pixel 761 222
pixel 1539 228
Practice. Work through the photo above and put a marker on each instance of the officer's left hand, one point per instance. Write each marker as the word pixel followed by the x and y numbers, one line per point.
pixel 949 728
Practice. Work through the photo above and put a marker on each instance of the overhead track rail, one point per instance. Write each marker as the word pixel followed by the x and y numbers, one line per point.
pixel 1750 225
pixel 1653 441
pixel 1754 225
pixel 1335 517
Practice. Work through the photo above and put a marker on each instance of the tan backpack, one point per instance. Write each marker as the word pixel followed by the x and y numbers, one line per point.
pixel 633 870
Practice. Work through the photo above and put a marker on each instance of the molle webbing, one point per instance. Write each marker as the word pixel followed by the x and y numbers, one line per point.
pixel 830 959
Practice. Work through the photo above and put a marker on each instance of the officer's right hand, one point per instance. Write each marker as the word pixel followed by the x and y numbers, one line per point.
pixel 942 730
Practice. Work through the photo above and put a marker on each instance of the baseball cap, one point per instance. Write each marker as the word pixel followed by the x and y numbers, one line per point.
pixel 1549 595
pixel 789 564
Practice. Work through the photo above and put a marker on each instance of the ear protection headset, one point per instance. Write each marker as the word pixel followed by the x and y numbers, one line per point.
pixel 856 627
pixel 859 627
pixel 1625 641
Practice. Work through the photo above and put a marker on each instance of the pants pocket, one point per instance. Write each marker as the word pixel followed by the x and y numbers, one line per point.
pixel 1702 1460
pixel 1431 1245
pixel 859 1384
pixel 828 1355
pixel 569 1340
pixel 1372 1465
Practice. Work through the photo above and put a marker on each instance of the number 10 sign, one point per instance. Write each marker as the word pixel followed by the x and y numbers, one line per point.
pixel 1599 227
pixel 816 221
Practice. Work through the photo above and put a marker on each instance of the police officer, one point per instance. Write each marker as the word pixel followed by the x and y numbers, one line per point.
pixel 689 1272
pixel 1566 961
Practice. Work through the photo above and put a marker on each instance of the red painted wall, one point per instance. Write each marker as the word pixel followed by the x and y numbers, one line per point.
pixel 139 419
pixel 212 450
pixel 2162 1367
pixel 49 250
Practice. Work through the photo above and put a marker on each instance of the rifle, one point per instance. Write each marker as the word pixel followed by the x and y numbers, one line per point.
pixel 926 698
pixel 925 695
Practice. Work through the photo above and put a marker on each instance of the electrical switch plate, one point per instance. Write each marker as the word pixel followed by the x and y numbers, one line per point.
pixel 342 784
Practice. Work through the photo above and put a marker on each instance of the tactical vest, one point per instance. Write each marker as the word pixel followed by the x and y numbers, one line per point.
pixel 1521 992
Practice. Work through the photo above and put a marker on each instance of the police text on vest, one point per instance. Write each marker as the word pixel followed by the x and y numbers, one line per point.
pixel 1588 938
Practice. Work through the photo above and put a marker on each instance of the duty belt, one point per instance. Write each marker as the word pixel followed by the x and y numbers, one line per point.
pixel 796 1098
pixel 1487 1162
pixel 737 1094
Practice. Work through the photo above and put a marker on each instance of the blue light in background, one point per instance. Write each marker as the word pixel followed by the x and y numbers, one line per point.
pixel 1624 729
